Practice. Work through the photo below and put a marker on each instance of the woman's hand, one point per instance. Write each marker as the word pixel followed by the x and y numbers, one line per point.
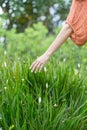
pixel 38 64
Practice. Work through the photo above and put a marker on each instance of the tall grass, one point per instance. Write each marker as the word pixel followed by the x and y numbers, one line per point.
pixel 54 99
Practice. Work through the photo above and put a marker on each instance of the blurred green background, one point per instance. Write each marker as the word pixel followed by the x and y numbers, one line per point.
pixel 25 20
pixel 54 99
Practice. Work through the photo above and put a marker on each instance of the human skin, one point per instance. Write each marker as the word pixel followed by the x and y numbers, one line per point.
pixel 39 63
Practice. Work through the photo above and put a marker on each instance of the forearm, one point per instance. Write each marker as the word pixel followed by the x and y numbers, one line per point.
pixel 61 37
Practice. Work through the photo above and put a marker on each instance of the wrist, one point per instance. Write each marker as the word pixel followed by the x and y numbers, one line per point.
pixel 48 53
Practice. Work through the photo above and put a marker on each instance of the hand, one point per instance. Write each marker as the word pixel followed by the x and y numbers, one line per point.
pixel 38 64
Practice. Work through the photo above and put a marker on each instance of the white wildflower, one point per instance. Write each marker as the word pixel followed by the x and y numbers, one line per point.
pixel 79 65
pixel 46 85
pixel 39 99
pixel 5 64
pixel 5 88
pixel 22 79
pixel 5 52
pixel 64 59
pixel 55 105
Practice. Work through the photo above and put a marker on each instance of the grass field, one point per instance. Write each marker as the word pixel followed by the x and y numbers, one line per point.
pixel 54 99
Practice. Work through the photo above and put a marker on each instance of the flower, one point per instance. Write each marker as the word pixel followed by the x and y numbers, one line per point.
pixel 5 52
pixel 5 64
pixel 79 65
pixel 39 99
pixel 64 59
pixel 5 88
pixel 22 79
pixel 55 105
pixel 46 85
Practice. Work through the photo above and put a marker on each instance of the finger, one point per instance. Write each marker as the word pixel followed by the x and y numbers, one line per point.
pixel 41 67
pixel 34 66
pixel 33 63
pixel 37 67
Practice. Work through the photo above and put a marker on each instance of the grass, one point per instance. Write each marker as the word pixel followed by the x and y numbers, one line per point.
pixel 54 99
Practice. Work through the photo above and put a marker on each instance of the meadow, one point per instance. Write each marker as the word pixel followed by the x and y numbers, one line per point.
pixel 55 98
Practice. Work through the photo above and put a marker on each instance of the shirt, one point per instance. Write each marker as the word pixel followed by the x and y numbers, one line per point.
pixel 77 19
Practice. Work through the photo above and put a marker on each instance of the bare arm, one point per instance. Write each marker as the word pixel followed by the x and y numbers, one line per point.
pixel 61 37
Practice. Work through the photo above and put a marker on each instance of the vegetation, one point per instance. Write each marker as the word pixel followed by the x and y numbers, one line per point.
pixel 55 98
pixel 23 13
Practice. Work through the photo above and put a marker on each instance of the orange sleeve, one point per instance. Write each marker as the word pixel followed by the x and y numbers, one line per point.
pixel 76 19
